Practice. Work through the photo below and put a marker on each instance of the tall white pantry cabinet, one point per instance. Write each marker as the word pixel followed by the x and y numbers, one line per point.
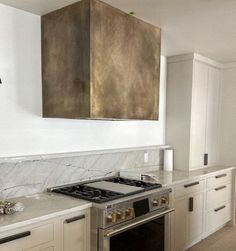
pixel 193 103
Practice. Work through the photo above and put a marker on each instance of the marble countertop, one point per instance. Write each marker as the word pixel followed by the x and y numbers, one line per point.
pixel 40 207
pixel 167 178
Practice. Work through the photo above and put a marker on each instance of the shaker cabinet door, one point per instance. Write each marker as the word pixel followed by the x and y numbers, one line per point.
pixel 196 218
pixel 180 224
pixel 188 221
pixel 212 118
pixel 198 116
pixel 74 233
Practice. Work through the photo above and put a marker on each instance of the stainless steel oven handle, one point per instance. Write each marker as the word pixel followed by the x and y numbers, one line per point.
pixel 132 225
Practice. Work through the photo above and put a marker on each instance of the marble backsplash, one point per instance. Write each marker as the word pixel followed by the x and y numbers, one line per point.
pixel 25 176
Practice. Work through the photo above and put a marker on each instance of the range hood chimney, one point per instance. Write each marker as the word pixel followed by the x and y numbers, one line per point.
pixel 99 63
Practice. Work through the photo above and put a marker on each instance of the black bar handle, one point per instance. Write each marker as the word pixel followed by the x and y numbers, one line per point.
pixel 192 184
pixel 220 176
pixel 15 237
pixel 68 221
pixel 190 204
pixel 205 159
pixel 220 188
pixel 220 208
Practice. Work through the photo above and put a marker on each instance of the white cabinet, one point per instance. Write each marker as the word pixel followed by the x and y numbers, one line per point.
pixel 33 238
pixel 180 224
pixel 188 223
pixel 202 206
pixel 76 234
pixel 212 116
pixel 192 121
pixel 198 114
pixel 219 208
pixel 70 232
pixel 195 218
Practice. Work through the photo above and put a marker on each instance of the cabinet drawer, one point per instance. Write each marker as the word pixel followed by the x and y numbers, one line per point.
pixel 217 179
pixel 218 217
pixel 188 188
pixel 218 195
pixel 27 239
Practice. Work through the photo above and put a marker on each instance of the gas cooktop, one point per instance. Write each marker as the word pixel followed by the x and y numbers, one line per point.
pixel 105 190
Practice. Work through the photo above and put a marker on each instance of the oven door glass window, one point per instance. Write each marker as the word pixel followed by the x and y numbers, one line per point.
pixel 147 237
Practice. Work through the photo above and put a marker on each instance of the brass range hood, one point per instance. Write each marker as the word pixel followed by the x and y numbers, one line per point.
pixel 99 63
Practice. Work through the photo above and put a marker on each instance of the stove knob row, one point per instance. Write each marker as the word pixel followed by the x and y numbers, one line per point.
pixel 159 202
pixel 119 215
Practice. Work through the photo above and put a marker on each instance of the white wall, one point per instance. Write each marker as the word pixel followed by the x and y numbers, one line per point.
pixel 228 117
pixel 22 129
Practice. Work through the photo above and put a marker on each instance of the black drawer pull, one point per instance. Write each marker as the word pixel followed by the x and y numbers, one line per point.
pixel 75 219
pixel 220 208
pixel 15 237
pixel 220 176
pixel 220 188
pixel 190 205
pixel 191 184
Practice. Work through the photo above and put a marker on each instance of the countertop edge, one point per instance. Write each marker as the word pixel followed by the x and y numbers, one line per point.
pixel 44 217
pixel 197 177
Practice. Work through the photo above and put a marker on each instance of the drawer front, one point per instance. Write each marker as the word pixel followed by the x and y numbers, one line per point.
pixel 218 217
pixel 41 235
pixel 188 188
pixel 218 195
pixel 219 179
pixel 27 239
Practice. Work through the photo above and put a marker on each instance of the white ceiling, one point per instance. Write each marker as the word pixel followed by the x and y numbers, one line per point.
pixel 39 7
pixel 207 27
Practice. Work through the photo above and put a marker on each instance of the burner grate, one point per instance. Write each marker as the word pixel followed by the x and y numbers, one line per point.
pixel 89 193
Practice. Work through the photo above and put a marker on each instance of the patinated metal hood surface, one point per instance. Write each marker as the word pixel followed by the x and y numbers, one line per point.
pixel 99 63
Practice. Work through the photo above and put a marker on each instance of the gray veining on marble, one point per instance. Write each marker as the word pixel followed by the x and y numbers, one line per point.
pixel 29 176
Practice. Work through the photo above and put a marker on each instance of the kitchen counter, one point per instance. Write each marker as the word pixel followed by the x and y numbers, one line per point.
pixel 167 178
pixel 41 207
pixel 44 206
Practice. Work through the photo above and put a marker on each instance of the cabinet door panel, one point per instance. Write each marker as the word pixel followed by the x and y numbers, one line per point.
pixel 212 120
pixel 196 218
pixel 198 116
pixel 74 234
pixel 180 226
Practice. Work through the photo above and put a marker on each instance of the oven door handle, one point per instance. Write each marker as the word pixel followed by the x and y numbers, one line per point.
pixel 135 224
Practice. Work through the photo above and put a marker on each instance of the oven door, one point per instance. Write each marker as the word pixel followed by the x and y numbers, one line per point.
pixel 150 233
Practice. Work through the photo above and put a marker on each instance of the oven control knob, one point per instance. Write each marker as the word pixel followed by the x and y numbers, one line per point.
pixel 109 218
pixel 118 215
pixel 164 200
pixel 155 203
pixel 123 215
pixel 129 212
pixel 114 217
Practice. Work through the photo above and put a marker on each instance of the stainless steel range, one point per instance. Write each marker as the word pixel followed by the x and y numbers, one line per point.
pixel 127 215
